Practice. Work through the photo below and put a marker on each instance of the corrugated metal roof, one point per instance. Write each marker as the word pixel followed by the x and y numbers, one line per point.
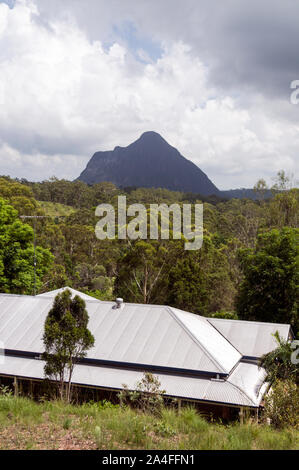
pixel 250 379
pixel 74 292
pixel 215 345
pixel 136 334
pixel 252 339
pixel 242 389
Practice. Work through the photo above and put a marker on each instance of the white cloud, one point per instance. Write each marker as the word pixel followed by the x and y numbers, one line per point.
pixel 35 165
pixel 67 96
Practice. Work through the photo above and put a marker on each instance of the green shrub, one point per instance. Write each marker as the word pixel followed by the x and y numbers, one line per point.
pixel 225 315
pixel 5 391
pixel 282 404
pixel 106 404
pixel 162 429
pixel 147 396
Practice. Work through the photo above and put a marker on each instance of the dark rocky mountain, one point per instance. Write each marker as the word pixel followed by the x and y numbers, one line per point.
pixel 149 162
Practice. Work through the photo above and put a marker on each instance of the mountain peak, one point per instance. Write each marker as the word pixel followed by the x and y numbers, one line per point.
pixel 148 162
pixel 150 135
pixel 152 139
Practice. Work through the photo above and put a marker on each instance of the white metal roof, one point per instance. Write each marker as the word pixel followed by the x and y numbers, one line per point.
pixel 244 388
pixel 250 379
pixel 216 345
pixel 136 334
pixel 251 338
pixel 74 292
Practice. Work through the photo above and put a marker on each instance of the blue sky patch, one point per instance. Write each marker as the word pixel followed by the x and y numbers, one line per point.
pixel 143 48
pixel 10 3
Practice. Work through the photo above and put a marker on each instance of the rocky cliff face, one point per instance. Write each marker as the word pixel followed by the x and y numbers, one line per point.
pixel 149 162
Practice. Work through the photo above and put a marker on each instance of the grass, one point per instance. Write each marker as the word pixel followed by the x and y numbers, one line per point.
pixel 54 209
pixel 25 424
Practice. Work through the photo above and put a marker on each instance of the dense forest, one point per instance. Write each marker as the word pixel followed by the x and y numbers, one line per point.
pixel 247 267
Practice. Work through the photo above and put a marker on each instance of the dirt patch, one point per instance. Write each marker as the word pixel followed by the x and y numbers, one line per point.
pixel 44 437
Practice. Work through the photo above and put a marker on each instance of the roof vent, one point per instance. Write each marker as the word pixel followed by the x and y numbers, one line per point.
pixel 119 303
pixel 217 378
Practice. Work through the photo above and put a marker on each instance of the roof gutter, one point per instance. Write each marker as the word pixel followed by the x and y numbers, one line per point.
pixel 125 365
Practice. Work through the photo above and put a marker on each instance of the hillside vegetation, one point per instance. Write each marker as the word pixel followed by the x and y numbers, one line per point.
pixel 55 209
pixel 248 248
pixel 25 424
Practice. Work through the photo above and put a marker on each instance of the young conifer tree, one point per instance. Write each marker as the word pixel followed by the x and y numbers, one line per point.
pixel 66 339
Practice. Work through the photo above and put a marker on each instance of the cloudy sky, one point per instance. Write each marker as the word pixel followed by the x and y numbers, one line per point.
pixel 212 77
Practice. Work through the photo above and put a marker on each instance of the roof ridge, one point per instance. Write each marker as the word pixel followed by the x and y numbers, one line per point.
pixel 208 319
pixel 247 321
pixel 241 391
pixel 173 314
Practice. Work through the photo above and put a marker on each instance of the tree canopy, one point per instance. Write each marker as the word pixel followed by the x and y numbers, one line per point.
pixel 17 254
pixel 269 291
